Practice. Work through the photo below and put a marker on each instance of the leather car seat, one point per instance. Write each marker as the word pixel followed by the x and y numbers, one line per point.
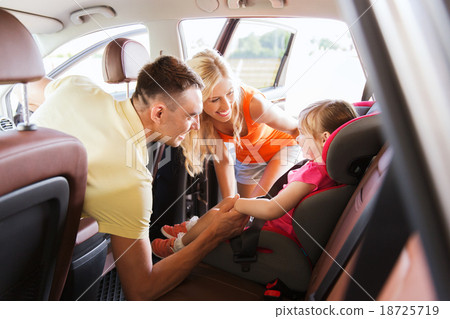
pixel 42 188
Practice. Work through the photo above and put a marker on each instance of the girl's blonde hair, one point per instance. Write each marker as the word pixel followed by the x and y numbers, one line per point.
pixel 212 68
pixel 325 116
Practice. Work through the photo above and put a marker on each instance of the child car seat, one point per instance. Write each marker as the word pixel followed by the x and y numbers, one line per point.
pixel 347 153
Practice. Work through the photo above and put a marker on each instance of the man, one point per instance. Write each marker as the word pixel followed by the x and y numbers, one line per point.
pixel 165 106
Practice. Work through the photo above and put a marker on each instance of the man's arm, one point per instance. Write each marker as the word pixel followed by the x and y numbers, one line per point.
pixel 141 280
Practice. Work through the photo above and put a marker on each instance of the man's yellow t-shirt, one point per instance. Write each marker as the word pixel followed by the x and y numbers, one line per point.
pixel 119 188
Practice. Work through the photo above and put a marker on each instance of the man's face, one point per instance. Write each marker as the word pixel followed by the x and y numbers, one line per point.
pixel 184 118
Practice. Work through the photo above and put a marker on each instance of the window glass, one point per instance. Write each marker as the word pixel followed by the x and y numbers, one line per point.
pixel 322 61
pixel 199 34
pixel 255 51
pixel 323 64
pixel 90 64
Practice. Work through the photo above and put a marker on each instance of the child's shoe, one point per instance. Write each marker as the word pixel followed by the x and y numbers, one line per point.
pixel 173 231
pixel 163 248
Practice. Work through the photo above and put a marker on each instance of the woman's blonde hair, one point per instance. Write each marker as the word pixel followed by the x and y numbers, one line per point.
pixel 325 116
pixel 212 68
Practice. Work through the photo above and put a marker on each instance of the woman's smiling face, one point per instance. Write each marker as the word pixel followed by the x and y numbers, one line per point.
pixel 218 104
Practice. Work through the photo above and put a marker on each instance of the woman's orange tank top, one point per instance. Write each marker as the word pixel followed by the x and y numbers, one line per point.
pixel 261 142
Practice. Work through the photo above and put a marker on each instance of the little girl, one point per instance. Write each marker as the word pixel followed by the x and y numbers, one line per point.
pixel 316 123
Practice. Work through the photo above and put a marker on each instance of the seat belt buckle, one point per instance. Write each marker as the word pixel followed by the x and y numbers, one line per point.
pixel 245 261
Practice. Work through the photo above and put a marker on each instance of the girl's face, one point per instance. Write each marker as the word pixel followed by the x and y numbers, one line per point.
pixel 218 104
pixel 312 148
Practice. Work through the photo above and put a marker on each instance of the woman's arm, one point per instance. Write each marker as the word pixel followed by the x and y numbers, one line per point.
pixel 276 207
pixel 225 172
pixel 264 111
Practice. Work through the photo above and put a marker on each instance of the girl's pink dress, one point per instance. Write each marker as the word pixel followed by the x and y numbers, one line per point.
pixel 311 173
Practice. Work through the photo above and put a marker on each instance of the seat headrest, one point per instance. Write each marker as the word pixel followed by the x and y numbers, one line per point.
pixel 350 148
pixel 374 109
pixel 20 61
pixel 123 59
pixel 363 107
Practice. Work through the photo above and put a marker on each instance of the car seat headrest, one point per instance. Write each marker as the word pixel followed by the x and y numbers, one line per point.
pixel 20 61
pixel 374 109
pixel 123 59
pixel 350 148
pixel 362 107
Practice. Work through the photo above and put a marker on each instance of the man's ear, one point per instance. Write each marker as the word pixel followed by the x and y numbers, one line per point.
pixel 156 112
pixel 325 136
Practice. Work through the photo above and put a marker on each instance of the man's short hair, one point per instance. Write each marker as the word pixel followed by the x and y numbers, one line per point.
pixel 166 78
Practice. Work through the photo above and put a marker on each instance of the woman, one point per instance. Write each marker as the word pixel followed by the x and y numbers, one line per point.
pixel 263 134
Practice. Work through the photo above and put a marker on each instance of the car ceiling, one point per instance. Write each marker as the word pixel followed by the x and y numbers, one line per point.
pixel 49 16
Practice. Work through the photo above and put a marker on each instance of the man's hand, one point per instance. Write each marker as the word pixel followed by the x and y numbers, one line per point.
pixel 227 203
pixel 228 222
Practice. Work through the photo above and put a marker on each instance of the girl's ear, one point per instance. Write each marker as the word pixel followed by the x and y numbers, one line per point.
pixel 325 136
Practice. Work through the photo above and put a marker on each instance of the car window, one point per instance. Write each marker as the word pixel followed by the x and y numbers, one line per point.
pixel 199 34
pixel 85 55
pixel 322 62
pixel 256 50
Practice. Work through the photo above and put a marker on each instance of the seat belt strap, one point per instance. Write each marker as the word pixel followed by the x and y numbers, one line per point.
pixel 244 246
